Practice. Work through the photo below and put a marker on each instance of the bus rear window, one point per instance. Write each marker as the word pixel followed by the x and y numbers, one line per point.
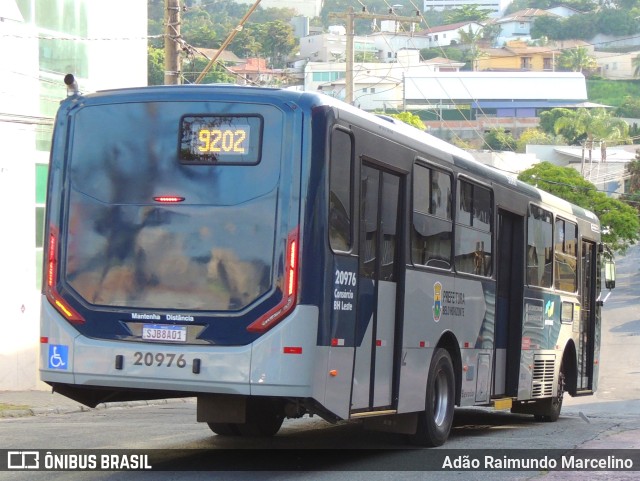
pixel 216 139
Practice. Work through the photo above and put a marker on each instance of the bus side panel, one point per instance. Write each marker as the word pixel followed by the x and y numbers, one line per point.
pixel 437 303
pixel 526 375
pixel 336 379
pixel 56 355
pixel 286 356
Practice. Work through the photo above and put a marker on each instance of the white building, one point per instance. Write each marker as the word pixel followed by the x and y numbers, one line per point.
pixel 445 35
pixel 508 88
pixel 332 46
pixel 496 6
pixel 370 92
pixel 40 43
pixel 517 26
pixel 377 86
pixel 389 44
pixel 615 65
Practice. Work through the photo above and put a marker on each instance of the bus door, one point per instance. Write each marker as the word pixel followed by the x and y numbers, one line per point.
pixel 379 271
pixel 586 322
pixel 509 293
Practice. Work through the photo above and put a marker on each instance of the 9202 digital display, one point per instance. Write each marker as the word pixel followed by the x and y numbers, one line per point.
pixel 217 139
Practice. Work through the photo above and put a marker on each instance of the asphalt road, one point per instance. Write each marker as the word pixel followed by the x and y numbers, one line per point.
pixel 310 448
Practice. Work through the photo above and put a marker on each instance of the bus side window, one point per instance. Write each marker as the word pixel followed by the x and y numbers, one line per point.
pixel 340 198
pixel 539 247
pixel 474 236
pixel 566 256
pixel 432 225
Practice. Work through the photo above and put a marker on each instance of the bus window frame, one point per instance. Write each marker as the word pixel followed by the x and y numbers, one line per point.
pixel 352 237
pixel 431 166
pixel 553 226
pixel 563 253
pixel 458 226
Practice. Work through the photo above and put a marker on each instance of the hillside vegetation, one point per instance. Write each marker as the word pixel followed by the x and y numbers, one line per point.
pixel 612 92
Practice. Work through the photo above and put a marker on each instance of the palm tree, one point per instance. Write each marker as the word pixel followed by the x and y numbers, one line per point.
pixel 577 60
pixel 469 40
pixel 597 124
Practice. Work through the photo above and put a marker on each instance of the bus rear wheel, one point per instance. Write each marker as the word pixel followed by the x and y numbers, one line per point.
pixel 264 418
pixel 224 429
pixel 434 423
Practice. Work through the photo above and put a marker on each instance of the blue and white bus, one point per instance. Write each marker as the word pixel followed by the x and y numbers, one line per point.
pixel 277 253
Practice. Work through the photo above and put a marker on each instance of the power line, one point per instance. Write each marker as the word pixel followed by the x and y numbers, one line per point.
pixel 79 39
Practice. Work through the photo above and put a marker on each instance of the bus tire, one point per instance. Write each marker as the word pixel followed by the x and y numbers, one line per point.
pixel 264 418
pixel 224 429
pixel 434 423
pixel 552 407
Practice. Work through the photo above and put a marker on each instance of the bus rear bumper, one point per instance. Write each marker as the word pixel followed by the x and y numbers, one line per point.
pixel 279 363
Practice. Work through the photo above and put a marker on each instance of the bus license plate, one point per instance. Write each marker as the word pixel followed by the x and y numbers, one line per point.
pixel 158 332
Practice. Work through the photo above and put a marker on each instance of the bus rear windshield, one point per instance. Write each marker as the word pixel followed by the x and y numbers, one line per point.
pixel 212 249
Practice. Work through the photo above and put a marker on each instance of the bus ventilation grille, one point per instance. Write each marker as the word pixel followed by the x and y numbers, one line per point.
pixel 543 370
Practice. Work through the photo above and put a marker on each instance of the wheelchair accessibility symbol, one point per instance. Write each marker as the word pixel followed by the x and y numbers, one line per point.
pixel 58 356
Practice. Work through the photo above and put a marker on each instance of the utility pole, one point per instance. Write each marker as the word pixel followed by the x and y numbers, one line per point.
pixel 171 38
pixel 350 17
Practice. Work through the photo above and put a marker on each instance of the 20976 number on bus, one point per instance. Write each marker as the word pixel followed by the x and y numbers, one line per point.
pixel 159 359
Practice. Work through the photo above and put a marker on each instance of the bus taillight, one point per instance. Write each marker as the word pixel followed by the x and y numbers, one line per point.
pixel 289 289
pixel 168 199
pixel 51 265
pixel 54 298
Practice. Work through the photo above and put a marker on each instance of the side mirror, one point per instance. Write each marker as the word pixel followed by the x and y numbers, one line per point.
pixel 609 273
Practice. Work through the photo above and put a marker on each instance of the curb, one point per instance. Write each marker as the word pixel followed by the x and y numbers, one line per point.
pixel 43 411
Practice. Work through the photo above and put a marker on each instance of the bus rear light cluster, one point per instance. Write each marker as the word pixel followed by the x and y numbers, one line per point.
pixel 69 313
pixel 289 289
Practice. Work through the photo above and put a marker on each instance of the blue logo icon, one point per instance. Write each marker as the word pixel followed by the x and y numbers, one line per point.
pixel 58 356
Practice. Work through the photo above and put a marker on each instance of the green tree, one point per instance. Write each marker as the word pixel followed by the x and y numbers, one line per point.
pixel 369 57
pixel 633 169
pixel 276 39
pixel 409 118
pixel 576 60
pixel 596 124
pixel 452 53
pixel 612 21
pixel 548 121
pixel 499 139
pixel 469 46
pixel 547 26
pixel 155 66
pixel 630 108
pixel 632 184
pixel 533 137
pixel 193 66
pixel 468 12
pixel 567 183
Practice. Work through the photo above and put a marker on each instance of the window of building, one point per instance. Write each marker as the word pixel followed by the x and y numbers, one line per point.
pixel 566 256
pixel 525 63
pixel 340 198
pixel 474 236
pixel 432 217
pixel 539 247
